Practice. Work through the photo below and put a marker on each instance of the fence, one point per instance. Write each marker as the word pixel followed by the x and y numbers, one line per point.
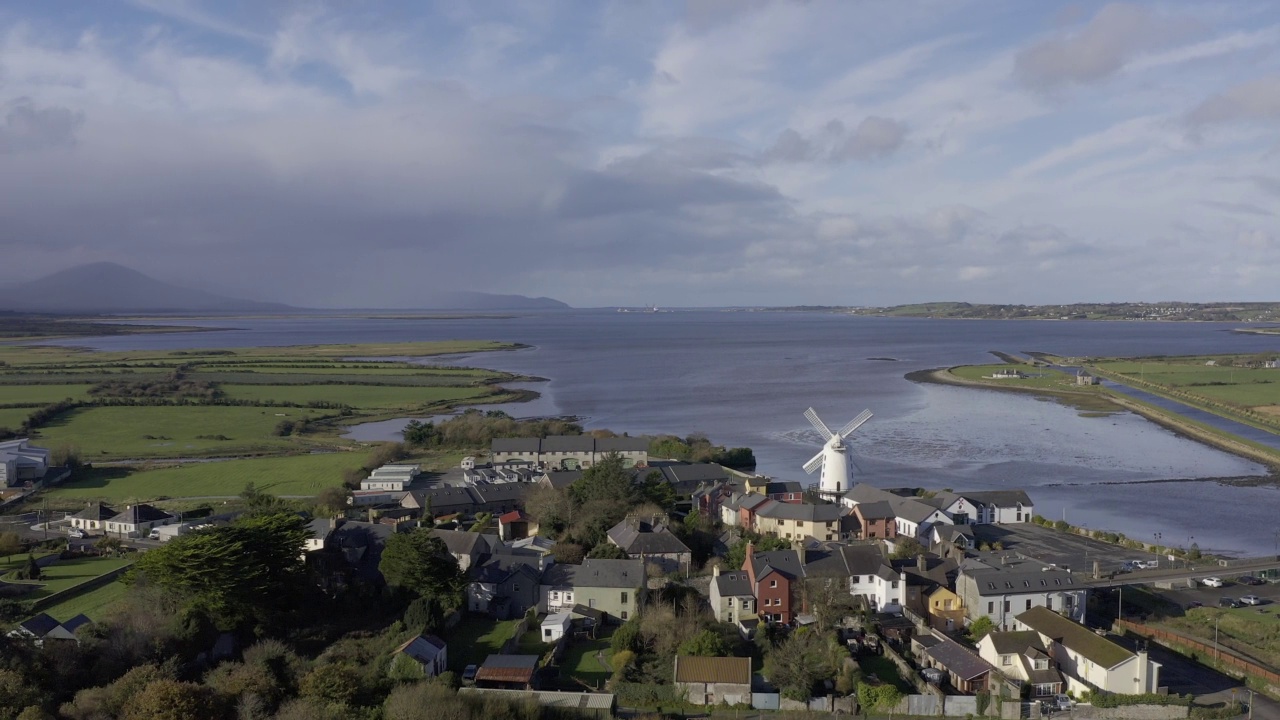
pixel 1225 656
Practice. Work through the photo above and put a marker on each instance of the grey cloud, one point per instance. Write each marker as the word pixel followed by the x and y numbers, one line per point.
pixel 28 127
pixel 1257 100
pixel 1096 51
pixel 874 138
pixel 635 186
pixel 1243 208
pixel 1267 184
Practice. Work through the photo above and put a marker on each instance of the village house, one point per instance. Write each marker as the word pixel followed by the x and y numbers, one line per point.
pixel 428 652
pixel 1001 507
pixel 466 547
pixel 568 452
pixel 1021 656
pixel 868 574
pixel 732 598
pixel 504 586
pixel 43 627
pixel 1088 660
pixel 875 520
pixel 967 672
pixel 93 517
pixel 137 521
pixel 1001 587
pixel 516 525
pixel 714 680
pixel 651 542
pixel 394 478
pixel 709 498
pixel 609 586
pixel 928 581
pixel 917 513
pixel 508 672
pixel 556 626
pixel 775 578
pixel 795 521
pixel 786 492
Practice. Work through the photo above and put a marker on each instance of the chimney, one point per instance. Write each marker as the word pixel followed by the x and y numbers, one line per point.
pixel 715 571
pixel 921 564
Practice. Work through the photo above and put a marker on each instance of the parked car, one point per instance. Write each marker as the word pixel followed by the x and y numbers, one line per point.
pixel 1062 702
pixel 1212 582
pixel 469 674
pixel 933 676
pixel 77 533
pixel 1228 603
pixel 1251 600
pixel 1250 580
pixel 1194 604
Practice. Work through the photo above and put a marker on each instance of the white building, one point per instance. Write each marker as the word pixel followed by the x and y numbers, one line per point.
pixel 555 627
pixel 732 598
pixel 392 478
pixel 137 521
pixel 1088 660
pixel 1001 588
pixel 21 462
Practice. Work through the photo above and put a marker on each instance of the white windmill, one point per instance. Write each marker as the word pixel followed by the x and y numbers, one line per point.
pixel 833 458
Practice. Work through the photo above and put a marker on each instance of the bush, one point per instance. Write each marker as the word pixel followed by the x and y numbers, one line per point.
pixel 1112 700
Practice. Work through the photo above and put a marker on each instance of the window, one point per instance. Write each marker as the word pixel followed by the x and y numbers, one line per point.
pixel 624 598
pixel 1006 606
pixel 895 584
pixel 1006 659
pixel 1028 603
pixel 855 579
pixel 546 632
pixel 773 583
pixel 946 604
pixel 1048 602
pixel 624 614
pixel 991 608
pixel 515 587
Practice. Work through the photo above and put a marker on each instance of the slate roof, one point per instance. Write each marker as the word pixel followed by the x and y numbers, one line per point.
pixel 911 509
pixel 846 560
pixel 958 660
pixel 424 648
pixel 319 528
pixel 734 584
pixel 39 625
pixel 1020 576
pixel 999 498
pixel 622 444
pixel 803 512
pixel 142 513
pixel 785 562
pixel 693 473
pixel 444 500
pixel 636 537
pixel 778 487
pixel 568 444
pixel 1074 636
pixel 726 670
pixel 76 623
pixel 864 493
pixel 596 572
pixel 465 543
pixel 563 478
pixel 96 511
pixel 498 568
pixel 501 492
pixel 1015 642
pixel 875 510
pixel 751 501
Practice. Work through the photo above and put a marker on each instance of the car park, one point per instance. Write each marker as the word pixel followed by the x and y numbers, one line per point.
pixel 1250 580
pixel 1214 582
pixel 1227 602
pixel 1251 600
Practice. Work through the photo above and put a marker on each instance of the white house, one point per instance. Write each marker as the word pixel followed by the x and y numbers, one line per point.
pixel 1088 660
pixel 93 517
pixel 1022 657
pixel 1001 507
pixel 556 626
pixel 137 521
pixel 44 627
pixel 1003 587
pixel 732 598
pixel 21 462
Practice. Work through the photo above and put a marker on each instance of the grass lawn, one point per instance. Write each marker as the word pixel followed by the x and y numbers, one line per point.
pixel 476 638
pixel 13 418
pixel 884 669
pixel 292 475
pixel 95 603
pixel 1249 387
pixel 531 642
pixel 40 394
pixel 67 573
pixel 170 431
pixel 1041 378
pixel 13 562
pixel 580 662
pixel 361 396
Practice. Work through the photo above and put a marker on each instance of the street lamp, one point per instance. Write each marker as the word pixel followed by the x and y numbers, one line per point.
pixel 1217 653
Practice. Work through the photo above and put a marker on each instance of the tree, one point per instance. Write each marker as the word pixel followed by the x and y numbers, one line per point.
pixel 424 616
pixel 419 562
pixel 657 490
pixel 980 628
pixel 608 551
pixel 707 643
pixel 333 501
pixel 906 548
pixel 260 502
pixel 32 569
pixel 419 433
pixel 737 554
pixel 802 661
pixel 1194 552
pixel 67 456
pixel 10 544
pixel 829 600
pixel 568 553
pixel 173 700
pixel 336 683
pixel 607 480
pixel 551 507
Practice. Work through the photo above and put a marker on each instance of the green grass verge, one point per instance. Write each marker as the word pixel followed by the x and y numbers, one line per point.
pixel 65 574
pixel 884 669
pixel 171 431
pixel 292 475
pixel 476 638
pixel 581 663
pixel 40 394
pixel 359 396
pixel 13 418
pixel 95 603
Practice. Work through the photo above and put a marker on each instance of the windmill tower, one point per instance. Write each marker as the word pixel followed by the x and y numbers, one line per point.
pixel 833 458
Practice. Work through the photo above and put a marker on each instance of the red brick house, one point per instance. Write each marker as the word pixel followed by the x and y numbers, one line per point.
pixel 787 492
pixel 876 520
pixel 775 580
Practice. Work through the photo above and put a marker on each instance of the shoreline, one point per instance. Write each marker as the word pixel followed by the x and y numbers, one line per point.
pixel 1172 423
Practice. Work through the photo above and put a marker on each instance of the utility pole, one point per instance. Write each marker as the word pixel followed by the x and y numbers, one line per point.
pixel 1217 652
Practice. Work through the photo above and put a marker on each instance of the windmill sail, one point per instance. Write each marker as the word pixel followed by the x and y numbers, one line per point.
pixel 834 459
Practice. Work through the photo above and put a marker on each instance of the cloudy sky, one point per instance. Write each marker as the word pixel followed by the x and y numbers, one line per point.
pixel 709 152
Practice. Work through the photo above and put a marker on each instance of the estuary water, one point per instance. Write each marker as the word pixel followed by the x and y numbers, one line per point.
pixel 745 378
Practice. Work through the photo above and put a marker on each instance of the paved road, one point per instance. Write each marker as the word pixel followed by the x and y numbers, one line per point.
pixel 1182 675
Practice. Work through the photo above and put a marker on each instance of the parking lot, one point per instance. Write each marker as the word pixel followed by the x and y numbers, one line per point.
pixel 1067 550
pixel 1269 592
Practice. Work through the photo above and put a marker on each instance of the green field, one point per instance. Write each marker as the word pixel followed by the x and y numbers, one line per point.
pixel 476 638
pixel 13 418
pixel 359 396
pixel 1247 387
pixel 122 432
pixel 292 475
pixel 95 603
pixel 40 394
pixel 65 574
pixel 1038 378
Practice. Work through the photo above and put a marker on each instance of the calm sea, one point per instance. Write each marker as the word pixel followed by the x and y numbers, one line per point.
pixel 745 378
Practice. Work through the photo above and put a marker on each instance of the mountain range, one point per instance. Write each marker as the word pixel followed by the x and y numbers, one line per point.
pixel 109 288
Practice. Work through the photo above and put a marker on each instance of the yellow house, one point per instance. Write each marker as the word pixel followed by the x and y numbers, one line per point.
pixel 946 609
pixel 794 521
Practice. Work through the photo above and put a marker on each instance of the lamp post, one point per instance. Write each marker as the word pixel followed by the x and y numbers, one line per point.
pixel 1217 653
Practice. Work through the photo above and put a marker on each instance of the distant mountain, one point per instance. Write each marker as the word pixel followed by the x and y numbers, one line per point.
pixel 110 288
pixel 488 301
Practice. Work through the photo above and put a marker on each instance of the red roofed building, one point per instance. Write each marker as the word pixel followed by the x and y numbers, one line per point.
pixel 515 525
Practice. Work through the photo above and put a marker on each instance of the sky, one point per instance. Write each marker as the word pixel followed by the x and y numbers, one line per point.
pixel 699 153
